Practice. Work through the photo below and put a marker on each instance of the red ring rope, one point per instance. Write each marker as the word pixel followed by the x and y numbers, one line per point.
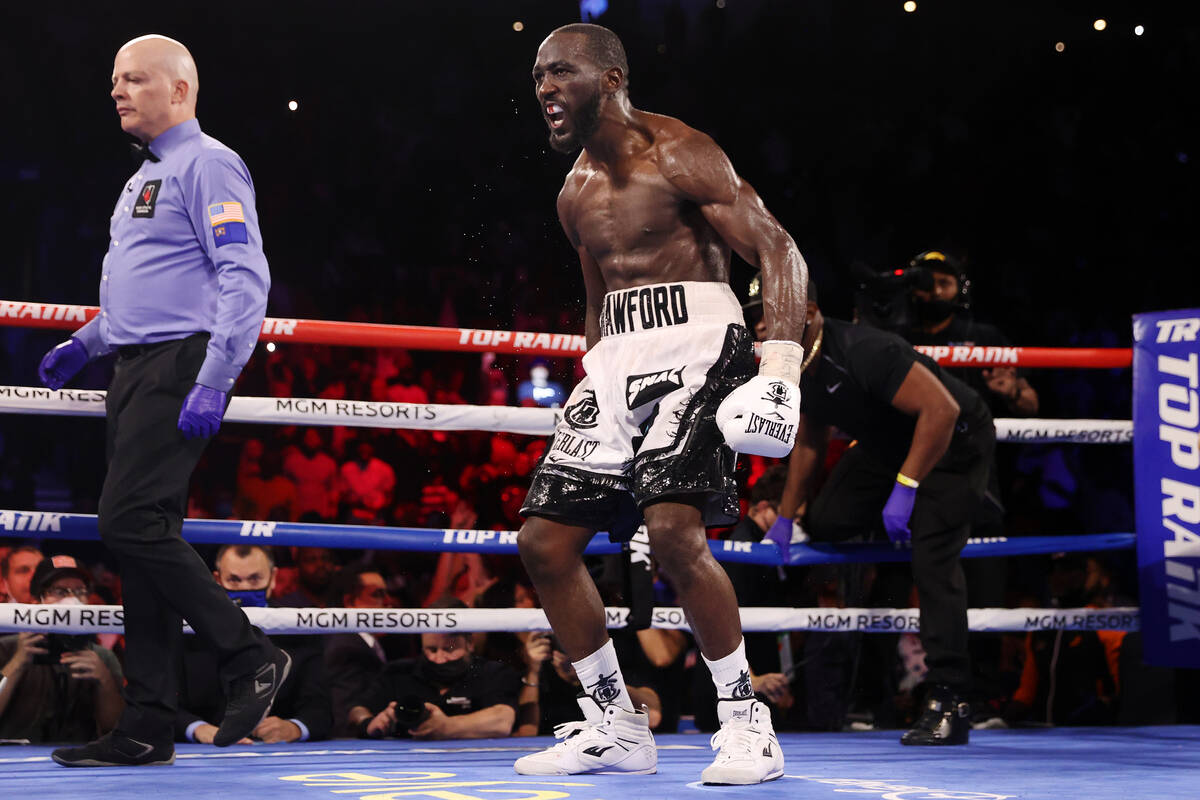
pixel 470 340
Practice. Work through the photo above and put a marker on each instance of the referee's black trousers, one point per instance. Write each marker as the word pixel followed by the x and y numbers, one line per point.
pixel 163 580
pixel 850 504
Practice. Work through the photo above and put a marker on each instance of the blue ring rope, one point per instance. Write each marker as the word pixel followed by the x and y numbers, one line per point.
pixel 83 527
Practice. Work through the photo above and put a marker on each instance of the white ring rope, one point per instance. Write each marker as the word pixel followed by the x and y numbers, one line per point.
pixel 109 619
pixel 434 417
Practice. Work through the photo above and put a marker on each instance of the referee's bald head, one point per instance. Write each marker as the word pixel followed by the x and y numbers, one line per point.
pixel 154 84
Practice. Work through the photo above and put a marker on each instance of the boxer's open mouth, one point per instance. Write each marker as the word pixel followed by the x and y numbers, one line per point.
pixel 555 115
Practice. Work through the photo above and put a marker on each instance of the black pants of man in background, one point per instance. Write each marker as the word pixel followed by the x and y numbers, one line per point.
pixel 849 505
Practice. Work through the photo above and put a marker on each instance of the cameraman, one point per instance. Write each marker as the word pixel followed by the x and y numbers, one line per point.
pixel 943 317
pixel 58 687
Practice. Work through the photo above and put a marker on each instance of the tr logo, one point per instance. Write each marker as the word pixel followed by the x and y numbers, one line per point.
pixel 585 414
pixel 741 687
pixel 605 688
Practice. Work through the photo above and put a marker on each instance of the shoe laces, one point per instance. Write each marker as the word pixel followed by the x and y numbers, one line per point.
pixel 574 733
pixel 567 730
pixel 736 738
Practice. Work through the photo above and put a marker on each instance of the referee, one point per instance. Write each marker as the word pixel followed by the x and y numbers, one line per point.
pixel 918 470
pixel 183 292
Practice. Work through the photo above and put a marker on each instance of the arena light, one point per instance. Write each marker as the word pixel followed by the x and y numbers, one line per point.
pixel 293 105
pixel 1138 30
pixel 518 26
pixel 720 3
pixel 1100 24
pixel 910 6
pixel 1059 47
pixel 270 347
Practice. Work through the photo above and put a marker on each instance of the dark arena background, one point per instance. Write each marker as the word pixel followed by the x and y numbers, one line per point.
pixel 404 178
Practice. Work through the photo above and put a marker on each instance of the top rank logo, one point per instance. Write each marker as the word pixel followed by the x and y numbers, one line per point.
pixel 642 389
pixel 144 207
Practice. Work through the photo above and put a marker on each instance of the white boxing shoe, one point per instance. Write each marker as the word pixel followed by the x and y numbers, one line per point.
pixel 610 740
pixel 748 751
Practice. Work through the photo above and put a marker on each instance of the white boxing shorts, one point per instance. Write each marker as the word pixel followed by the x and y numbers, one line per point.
pixel 640 427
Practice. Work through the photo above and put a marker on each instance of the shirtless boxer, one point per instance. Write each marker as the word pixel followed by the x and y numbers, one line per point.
pixel 653 208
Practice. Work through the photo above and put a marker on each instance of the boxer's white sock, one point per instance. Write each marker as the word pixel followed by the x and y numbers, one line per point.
pixel 731 674
pixel 600 675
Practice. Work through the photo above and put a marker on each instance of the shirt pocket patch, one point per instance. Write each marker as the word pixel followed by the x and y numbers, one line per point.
pixel 146 199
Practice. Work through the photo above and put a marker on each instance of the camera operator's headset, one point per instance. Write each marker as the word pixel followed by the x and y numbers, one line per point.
pixel 937 261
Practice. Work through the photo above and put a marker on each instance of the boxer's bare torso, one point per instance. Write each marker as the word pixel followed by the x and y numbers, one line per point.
pixel 639 218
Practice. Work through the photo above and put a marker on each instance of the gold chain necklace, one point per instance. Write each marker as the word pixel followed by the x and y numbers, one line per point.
pixel 816 348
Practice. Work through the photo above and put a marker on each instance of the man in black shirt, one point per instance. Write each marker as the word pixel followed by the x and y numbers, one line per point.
pixel 445 693
pixel 918 469
pixel 944 318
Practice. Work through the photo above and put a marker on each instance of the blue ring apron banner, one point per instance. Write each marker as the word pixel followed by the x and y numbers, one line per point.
pixel 1166 457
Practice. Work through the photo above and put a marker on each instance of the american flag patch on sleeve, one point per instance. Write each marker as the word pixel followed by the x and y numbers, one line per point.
pixel 228 223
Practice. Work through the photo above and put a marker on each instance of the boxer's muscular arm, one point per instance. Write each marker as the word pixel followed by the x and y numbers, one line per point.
pixel 923 396
pixel 803 465
pixel 698 168
pixel 593 280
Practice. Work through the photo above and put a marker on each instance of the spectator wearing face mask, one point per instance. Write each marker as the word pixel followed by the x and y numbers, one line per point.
pixel 301 711
pixel 445 693
pixel 57 687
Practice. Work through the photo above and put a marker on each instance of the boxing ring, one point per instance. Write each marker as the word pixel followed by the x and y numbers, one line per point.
pixel 1101 763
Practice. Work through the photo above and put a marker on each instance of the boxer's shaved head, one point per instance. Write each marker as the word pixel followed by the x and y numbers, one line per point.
pixel 154 85
pixel 600 45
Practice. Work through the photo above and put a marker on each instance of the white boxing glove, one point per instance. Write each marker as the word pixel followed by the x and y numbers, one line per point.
pixel 760 416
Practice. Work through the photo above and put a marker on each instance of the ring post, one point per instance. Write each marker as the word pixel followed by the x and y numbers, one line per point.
pixel 1166 457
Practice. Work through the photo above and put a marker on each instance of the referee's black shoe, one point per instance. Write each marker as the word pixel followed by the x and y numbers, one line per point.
pixel 116 750
pixel 250 699
pixel 945 721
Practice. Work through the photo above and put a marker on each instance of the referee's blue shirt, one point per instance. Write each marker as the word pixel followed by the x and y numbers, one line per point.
pixel 185 256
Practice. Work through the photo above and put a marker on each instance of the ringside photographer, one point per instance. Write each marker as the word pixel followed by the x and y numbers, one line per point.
pixel 58 687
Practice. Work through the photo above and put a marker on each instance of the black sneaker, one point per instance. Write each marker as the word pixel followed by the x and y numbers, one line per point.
pixel 116 750
pixel 946 720
pixel 250 699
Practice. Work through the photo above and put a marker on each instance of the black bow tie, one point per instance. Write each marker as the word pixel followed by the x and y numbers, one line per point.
pixel 141 152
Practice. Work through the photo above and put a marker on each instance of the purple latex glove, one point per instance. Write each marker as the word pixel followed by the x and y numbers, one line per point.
pixel 896 512
pixel 781 534
pixel 60 364
pixel 202 412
